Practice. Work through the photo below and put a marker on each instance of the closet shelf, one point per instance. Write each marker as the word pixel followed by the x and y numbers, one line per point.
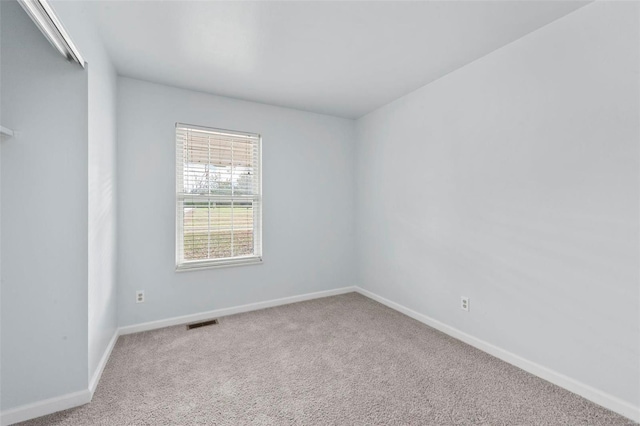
pixel 5 131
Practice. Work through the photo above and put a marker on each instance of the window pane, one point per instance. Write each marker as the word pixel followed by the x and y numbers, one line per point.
pixel 196 230
pixel 218 165
pixel 243 229
pixel 221 231
pixel 214 230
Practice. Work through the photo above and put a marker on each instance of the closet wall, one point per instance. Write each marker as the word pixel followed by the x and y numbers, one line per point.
pixel 44 216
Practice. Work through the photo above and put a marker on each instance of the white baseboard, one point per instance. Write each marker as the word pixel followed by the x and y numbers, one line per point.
pixel 185 319
pixel 59 403
pixel 64 402
pixel 103 363
pixel 44 407
pixel 601 398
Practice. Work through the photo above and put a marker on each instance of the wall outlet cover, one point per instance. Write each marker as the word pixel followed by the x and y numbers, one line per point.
pixel 464 303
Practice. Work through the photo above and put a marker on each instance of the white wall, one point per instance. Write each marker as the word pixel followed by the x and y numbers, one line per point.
pixel 514 181
pixel 101 177
pixel 308 187
pixel 44 216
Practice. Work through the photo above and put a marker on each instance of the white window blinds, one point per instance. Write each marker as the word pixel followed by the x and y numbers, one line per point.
pixel 219 197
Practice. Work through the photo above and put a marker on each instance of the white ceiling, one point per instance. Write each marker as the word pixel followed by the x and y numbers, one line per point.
pixel 338 58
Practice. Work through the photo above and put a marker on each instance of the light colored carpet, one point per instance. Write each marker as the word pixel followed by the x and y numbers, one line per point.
pixel 343 360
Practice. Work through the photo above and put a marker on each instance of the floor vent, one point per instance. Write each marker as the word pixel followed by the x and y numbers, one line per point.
pixel 202 324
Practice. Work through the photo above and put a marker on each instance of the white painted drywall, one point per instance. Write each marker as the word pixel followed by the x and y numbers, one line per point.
pixel 514 181
pixel 308 187
pixel 44 216
pixel 102 174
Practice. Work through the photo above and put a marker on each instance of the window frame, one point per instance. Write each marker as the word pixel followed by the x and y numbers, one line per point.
pixel 182 265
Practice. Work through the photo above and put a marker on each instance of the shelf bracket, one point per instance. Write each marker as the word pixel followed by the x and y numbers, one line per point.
pixel 6 132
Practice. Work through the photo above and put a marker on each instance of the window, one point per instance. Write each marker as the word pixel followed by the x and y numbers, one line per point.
pixel 219 197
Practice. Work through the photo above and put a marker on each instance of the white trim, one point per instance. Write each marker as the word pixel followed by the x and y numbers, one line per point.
pixel 592 394
pixel 44 407
pixel 45 18
pixel 196 265
pixel 93 384
pixel 153 325
pixel 63 402
pixel 216 131
pixel 75 399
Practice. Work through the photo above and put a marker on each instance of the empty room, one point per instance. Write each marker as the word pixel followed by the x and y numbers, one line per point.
pixel 319 212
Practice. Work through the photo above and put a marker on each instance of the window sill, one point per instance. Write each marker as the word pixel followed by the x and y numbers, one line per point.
pixel 220 263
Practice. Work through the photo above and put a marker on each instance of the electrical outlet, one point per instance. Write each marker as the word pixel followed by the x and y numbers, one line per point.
pixel 464 303
pixel 140 296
